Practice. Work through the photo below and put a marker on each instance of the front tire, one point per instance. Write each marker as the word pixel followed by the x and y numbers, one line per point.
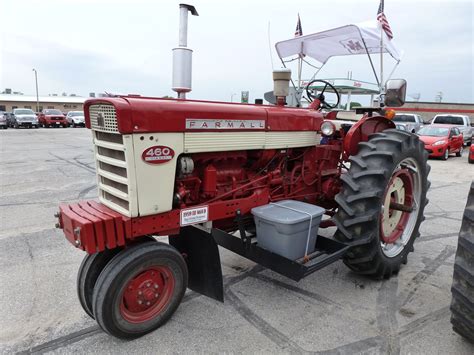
pixel 459 154
pixel 445 154
pixel 139 289
pixel 462 304
pixel 89 271
pixel 388 174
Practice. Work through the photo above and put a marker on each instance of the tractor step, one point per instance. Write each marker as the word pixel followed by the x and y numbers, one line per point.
pixel 326 252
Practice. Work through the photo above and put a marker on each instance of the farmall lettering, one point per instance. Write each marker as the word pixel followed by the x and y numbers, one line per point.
pixel 158 154
pixel 205 123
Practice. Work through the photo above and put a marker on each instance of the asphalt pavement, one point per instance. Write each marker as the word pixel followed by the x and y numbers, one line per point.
pixel 332 311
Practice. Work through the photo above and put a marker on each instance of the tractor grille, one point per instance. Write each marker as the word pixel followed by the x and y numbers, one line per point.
pixel 111 162
pixel 103 118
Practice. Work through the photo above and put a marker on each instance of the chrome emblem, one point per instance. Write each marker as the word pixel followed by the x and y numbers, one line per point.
pixel 100 119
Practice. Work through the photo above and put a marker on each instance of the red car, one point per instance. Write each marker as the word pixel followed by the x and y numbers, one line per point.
pixel 471 154
pixel 52 118
pixel 442 140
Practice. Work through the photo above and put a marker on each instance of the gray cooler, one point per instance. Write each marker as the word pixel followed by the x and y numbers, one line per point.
pixel 282 227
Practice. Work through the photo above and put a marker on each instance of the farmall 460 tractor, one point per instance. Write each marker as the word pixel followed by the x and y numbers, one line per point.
pixel 200 172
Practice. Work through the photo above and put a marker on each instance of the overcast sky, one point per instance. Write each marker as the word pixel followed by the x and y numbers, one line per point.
pixel 124 46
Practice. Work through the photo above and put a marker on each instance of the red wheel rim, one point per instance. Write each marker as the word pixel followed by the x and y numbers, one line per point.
pixel 403 195
pixel 146 294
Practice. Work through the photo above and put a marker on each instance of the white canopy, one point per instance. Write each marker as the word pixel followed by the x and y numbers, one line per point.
pixel 362 38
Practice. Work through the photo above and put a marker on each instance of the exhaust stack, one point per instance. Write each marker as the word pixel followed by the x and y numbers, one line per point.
pixel 182 55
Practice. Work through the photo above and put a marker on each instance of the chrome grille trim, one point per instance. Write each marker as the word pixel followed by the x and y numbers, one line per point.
pixel 112 170
pixel 103 118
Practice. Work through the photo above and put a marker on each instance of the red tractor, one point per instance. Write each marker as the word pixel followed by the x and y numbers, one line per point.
pixel 195 171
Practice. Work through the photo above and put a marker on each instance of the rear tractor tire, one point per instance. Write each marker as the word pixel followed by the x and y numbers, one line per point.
pixel 462 304
pixel 139 289
pixel 382 202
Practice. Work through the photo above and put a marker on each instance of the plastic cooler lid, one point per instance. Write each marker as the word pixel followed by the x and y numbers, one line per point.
pixel 274 213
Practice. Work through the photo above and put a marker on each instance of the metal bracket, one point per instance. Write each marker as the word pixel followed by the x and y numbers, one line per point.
pixel 243 234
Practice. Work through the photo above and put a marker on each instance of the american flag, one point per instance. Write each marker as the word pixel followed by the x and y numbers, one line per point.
pixel 383 21
pixel 299 29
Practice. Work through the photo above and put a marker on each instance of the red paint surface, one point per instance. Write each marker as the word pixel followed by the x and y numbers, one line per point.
pixel 361 131
pixel 146 115
pixel 146 294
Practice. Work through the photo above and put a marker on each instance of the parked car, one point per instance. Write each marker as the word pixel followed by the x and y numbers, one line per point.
pixel 76 118
pixel 412 122
pixel 3 120
pixel 441 140
pixel 401 127
pixel 463 122
pixel 470 158
pixel 24 117
pixel 52 118
pixel 10 118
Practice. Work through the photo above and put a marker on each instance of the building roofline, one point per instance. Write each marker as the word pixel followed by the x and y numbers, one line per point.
pixel 440 103
pixel 29 98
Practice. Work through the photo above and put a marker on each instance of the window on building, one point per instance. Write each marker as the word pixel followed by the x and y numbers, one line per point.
pixel 40 108
pixel 3 108
pixel 14 107
pixel 28 107
pixel 51 107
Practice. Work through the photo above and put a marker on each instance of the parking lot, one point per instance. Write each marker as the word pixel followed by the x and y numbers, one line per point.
pixel 331 311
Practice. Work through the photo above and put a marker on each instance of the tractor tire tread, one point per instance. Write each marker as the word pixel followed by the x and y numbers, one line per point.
pixel 362 193
pixel 462 289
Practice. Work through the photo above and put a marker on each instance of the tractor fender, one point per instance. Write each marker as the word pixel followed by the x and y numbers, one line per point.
pixel 361 131
pixel 202 258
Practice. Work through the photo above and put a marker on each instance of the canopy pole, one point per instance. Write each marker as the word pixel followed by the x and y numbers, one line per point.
pixel 300 66
pixel 370 60
pixel 393 70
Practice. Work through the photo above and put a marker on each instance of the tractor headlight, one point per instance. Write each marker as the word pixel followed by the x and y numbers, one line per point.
pixel 328 128
pixel 439 143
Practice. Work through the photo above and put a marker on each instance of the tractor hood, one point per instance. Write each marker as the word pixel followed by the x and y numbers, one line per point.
pixel 144 115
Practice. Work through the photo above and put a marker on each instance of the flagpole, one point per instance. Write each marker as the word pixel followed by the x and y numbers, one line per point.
pixel 381 60
pixel 381 89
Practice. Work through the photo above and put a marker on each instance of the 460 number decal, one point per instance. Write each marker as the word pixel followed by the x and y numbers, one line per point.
pixel 158 154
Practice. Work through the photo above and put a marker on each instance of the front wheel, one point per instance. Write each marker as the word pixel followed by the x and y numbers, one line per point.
pixel 459 154
pixel 139 289
pixel 446 154
pixel 382 202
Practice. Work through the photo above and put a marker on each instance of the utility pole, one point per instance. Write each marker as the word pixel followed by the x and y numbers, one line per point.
pixel 37 97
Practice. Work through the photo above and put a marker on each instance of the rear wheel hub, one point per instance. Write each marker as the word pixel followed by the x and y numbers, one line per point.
pixel 399 212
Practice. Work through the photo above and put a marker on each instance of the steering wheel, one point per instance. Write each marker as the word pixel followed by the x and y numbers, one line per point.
pixel 320 96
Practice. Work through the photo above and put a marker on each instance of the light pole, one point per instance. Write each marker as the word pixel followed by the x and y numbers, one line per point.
pixel 37 97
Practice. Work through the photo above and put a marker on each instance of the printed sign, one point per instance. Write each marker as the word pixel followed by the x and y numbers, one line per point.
pixel 158 154
pixel 205 123
pixel 194 215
